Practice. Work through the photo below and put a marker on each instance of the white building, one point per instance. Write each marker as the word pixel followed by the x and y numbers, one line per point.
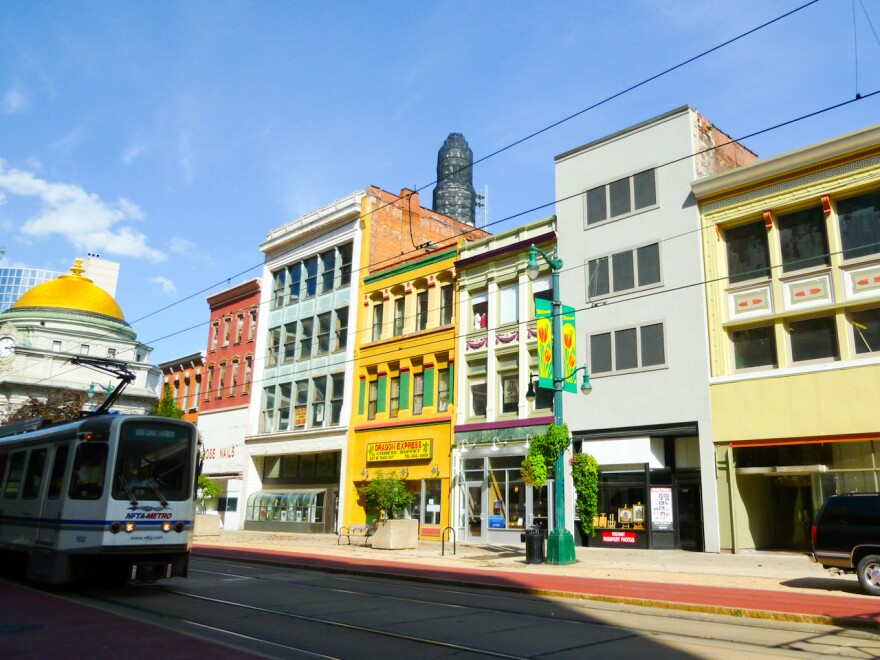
pixel 61 319
pixel 629 239
pixel 299 415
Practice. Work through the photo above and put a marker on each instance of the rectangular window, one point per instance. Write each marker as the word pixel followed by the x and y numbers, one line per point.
pixel 210 384
pixel 621 197
pixel 305 338
pixel 418 393
pixel 748 255
pixel 186 384
pixel 56 346
pixel 859 221
pixel 323 333
pixel 598 283
pixel 345 264
pixel 328 270
pixel 803 240
pixel 421 310
pixel 280 281
pixel 222 384
pixel 509 393
pixel 289 341
pixel 478 397
pixel 283 407
pixel 628 270
pixel 378 311
pixel 295 281
pixel 267 423
pixel 509 304
pixel 399 306
pixel 443 390
pixel 754 348
pixel 239 328
pixel 300 411
pixel 311 277
pixel 866 330
pixel 446 302
pixel 111 353
pixel 337 381
pixel 596 210
pixel 248 372
pixel 227 331
pixel 13 479
pixel 252 327
pixel 58 467
pixel 274 347
pixel 319 397
pixel 234 378
pixel 395 396
pixel 622 271
pixel 341 332
pixel 198 391
pixel 627 349
pixel 373 399
pixel 813 339
pixel 479 311
pixel 34 475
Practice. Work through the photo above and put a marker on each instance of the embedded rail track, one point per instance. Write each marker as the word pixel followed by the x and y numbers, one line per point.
pixel 275 611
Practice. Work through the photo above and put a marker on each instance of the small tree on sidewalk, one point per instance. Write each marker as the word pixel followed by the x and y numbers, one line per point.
pixel 386 493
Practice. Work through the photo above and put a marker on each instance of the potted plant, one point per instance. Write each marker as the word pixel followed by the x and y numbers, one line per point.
pixel 388 496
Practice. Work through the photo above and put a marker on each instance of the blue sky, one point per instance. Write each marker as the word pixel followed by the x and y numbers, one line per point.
pixel 171 137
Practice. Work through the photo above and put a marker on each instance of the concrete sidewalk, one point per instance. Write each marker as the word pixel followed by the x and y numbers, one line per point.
pixel 784 586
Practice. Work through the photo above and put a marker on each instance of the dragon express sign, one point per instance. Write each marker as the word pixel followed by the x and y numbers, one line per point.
pixel 399 450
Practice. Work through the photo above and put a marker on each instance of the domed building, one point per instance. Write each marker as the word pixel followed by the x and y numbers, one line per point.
pixel 65 318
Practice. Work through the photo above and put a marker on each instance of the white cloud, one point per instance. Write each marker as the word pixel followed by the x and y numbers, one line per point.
pixel 14 101
pixel 83 218
pixel 181 245
pixel 166 284
pixel 135 151
pixel 2 198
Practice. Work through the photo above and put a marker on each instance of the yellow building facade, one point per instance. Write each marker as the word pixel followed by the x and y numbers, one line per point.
pixel 792 264
pixel 403 398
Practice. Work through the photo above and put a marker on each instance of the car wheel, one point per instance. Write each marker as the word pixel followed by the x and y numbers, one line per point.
pixel 868 571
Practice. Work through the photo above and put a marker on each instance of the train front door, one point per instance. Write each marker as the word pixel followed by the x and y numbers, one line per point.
pixel 50 511
pixel 475 526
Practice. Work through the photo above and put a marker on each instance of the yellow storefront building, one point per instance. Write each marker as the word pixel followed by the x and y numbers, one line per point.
pixel 792 266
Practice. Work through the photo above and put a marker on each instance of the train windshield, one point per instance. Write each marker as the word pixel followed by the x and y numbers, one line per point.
pixel 154 462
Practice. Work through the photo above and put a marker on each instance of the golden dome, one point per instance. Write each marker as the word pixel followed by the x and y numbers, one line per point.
pixel 71 292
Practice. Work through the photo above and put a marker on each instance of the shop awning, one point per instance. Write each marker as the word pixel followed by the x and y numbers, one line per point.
pixel 777 442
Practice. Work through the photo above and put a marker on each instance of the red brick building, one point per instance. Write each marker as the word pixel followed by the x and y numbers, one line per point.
pixel 229 368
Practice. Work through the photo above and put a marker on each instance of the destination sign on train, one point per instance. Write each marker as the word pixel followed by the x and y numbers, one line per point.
pixel 399 450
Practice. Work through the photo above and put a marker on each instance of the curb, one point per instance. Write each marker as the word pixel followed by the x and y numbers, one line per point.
pixel 312 562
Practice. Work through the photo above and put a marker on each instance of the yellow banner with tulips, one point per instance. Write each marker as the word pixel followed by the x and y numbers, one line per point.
pixel 544 316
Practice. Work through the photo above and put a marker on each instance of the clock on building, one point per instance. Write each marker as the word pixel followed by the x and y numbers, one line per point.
pixel 7 347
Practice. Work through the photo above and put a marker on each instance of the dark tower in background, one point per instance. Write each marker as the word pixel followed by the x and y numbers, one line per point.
pixel 455 195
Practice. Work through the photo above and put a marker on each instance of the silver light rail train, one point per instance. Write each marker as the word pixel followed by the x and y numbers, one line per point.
pixel 107 498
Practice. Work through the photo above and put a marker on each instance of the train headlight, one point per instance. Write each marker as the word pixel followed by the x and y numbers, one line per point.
pixel 178 527
pixel 115 527
pixel 129 527
pixel 166 526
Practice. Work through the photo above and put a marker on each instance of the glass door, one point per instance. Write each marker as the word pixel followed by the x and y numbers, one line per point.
pixel 475 528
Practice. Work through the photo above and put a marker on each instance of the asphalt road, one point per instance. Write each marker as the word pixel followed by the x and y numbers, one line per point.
pixel 280 612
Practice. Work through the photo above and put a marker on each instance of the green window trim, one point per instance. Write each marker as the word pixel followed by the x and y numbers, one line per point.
pixel 428 400
pixel 382 403
pixel 404 390
pixel 363 397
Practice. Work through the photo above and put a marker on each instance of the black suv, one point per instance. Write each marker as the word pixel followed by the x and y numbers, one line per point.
pixel 846 536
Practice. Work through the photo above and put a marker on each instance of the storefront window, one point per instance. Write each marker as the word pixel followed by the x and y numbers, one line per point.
pixel 507 493
pixel 286 506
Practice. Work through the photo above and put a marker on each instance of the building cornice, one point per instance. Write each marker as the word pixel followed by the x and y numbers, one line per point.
pixel 785 168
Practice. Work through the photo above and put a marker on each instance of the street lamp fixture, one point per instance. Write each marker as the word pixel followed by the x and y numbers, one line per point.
pixel 560 542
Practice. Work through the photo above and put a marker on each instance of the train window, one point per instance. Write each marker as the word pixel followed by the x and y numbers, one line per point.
pixel 89 470
pixel 57 478
pixel 13 481
pixel 4 458
pixel 154 462
pixel 34 475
